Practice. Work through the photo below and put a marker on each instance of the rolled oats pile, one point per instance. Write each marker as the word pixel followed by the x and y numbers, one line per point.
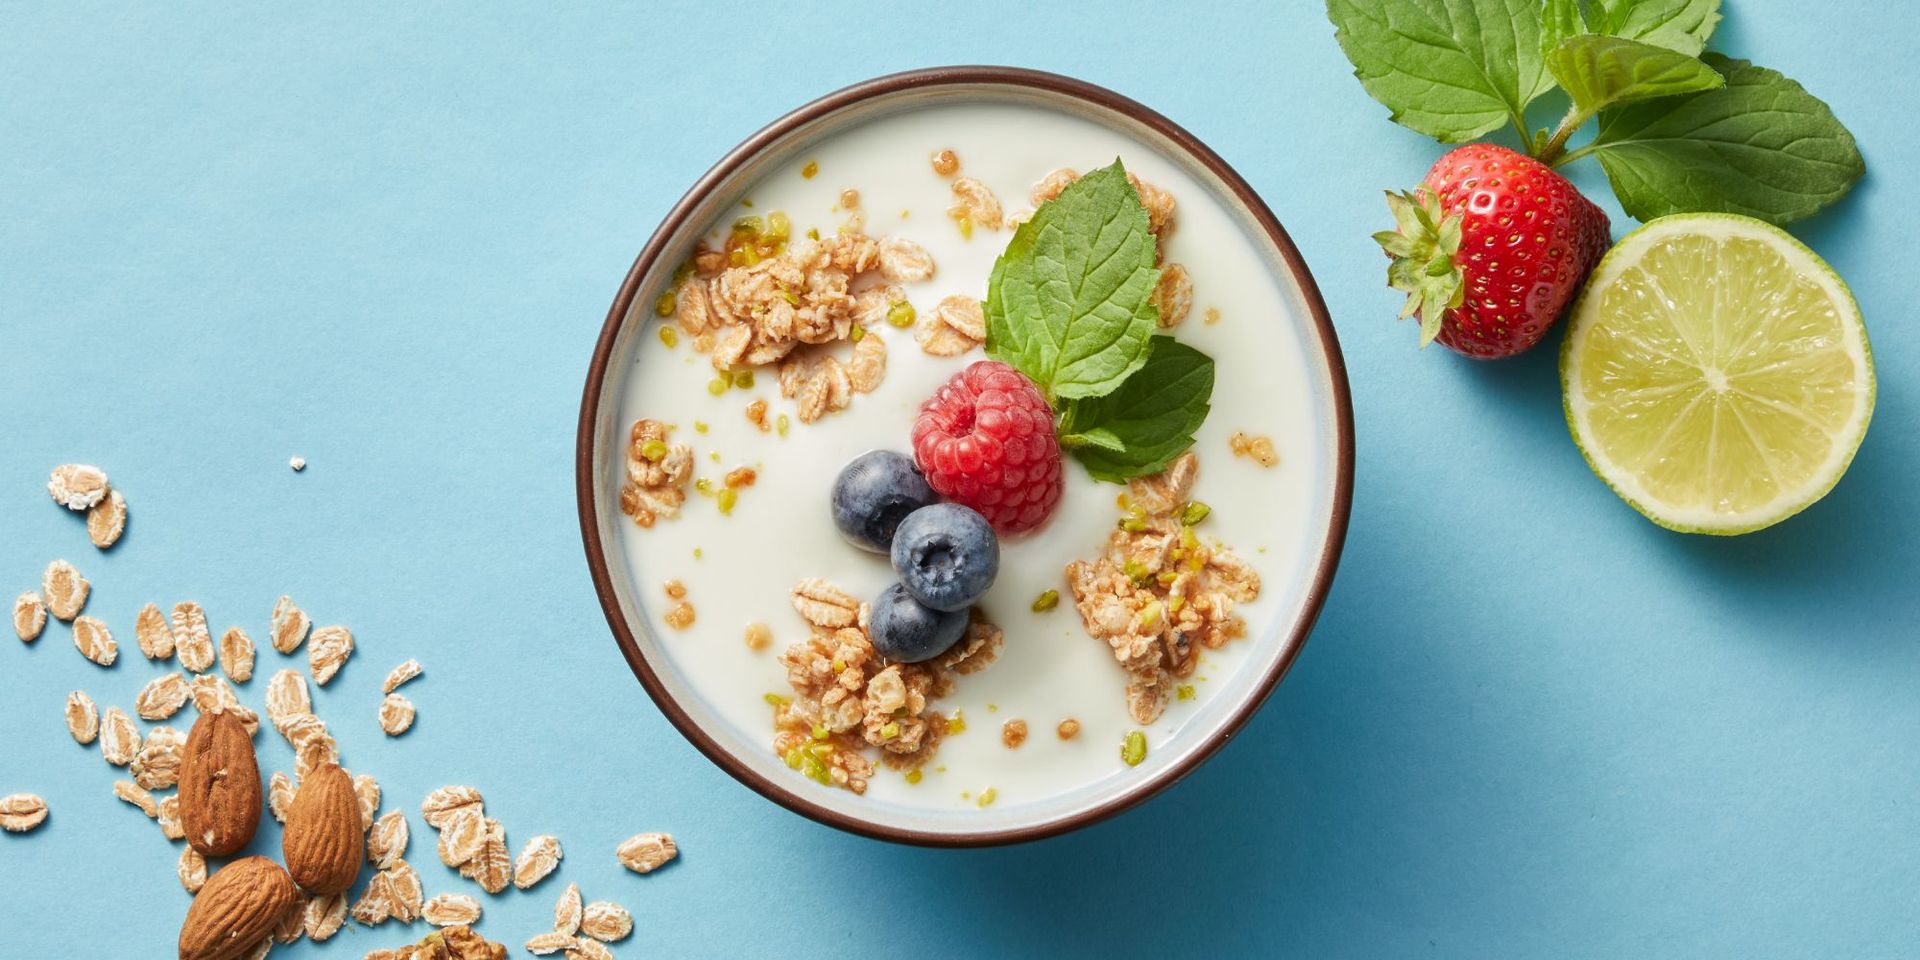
pixel 847 699
pixel 1159 593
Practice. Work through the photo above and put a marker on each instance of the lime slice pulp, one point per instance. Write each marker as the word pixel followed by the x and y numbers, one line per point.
pixel 1716 373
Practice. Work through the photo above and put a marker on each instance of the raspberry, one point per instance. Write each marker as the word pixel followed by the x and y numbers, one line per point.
pixel 985 440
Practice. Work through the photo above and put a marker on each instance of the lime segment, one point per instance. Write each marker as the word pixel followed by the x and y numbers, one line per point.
pixel 1716 373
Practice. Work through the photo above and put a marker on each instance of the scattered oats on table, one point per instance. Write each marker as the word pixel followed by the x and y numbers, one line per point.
pixel 168 818
pixel 77 486
pixel 154 633
pixel 192 641
pixel 287 697
pixel 21 812
pixel 297 463
pixel 119 737
pixel 162 697
pixel 327 651
pixel 29 616
pixel 137 796
pixel 606 921
pixel 566 911
pixel 451 909
pixel 289 625
pixel 157 765
pixel 550 943
pixel 443 805
pixel 396 715
pixel 491 866
pixel 366 792
pixel 280 793
pixel 65 590
pixel 399 675
pixel 537 859
pixel 192 869
pixel 237 655
pixel 646 852
pixel 107 520
pixel 325 916
pixel 387 841
pixel 83 718
pixel 94 640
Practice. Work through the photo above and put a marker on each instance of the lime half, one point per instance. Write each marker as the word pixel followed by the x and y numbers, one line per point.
pixel 1716 373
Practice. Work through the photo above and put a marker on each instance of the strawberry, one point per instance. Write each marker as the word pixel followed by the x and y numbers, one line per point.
pixel 1490 249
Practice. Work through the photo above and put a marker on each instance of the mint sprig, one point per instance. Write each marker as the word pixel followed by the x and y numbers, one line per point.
pixel 1070 305
pixel 1679 130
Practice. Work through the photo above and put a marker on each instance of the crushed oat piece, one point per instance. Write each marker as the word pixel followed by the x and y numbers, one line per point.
pixel 606 921
pixel 1051 185
pixel 138 796
pixel 550 943
pixel 396 714
pixel 589 949
pixel 404 893
pixel 162 697
pixel 154 633
pixel 65 590
pixel 491 865
pixel 974 205
pixel 675 590
pixel 168 817
pixel 978 649
pixel 157 765
pixel 540 857
pixel 823 604
pixel 680 616
pixel 77 486
pixel 450 909
pixel 442 806
pixel 904 261
pixel 107 520
pixel 954 327
pixel 280 793
pixel 1068 729
pixel 759 636
pixel 192 869
pixel 1211 317
pixel 657 473
pixel 289 625
pixel 757 414
pixel 1159 203
pixel 740 477
pixel 646 852
pixel 566 911
pixel 945 163
pixel 191 638
pixel 83 718
pixel 119 737
pixel 287 697
pixel 1173 296
pixel 236 655
pixel 366 791
pixel 399 675
pixel 325 916
pixel 868 365
pixel 1258 448
pixel 1013 733
pixel 21 812
pixel 327 651
pixel 463 837
pixel 94 640
pixel 386 842
pixel 29 616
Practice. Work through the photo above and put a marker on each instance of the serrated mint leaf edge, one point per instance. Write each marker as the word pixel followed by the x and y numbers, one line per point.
pixel 1488 78
pixel 1598 72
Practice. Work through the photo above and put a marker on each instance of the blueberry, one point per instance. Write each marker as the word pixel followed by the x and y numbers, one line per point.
pixel 873 494
pixel 905 630
pixel 946 555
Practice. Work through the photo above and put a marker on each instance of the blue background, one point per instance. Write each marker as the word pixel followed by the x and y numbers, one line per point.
pixel 384 236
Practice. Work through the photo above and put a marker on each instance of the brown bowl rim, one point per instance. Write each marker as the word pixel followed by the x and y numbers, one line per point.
pixel 933 77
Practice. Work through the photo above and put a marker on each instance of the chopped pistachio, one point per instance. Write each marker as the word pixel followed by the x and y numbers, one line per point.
pixel 716 386
pixel 778 226
pixel 957 723
pixel 726 499
pixel 889 731
pixel 913 776
pixel 901 314
pixel 1135 571
pixel 699 426
pixel 665 305
pixel 781 423
pixel 1046 601
pixel 1183 692
pixel 1134 748
pixel 820 731
pixel 1151 615
pixel 857 334
pixel 811 170
pixel 654 450
pixel 987 797
pixel 743 379
pixel 776 700
pixel 670 336
pixel 1194 512
pixel 793 758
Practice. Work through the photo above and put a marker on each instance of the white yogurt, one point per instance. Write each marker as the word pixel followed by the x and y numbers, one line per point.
pixel 781 532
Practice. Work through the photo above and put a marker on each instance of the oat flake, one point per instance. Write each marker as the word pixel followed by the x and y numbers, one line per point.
pixel 119 737
pixel 280 793
pixel 366 790
pixel 155 634
pixel 168 818
pixel 29 616
pixel 162 697
pixel 584 949
pixel 191 639
pixel 550 943
pixel 451 909
pixel 606 921
pixel 492 865
pixel 387 842
pixel 65 589
pixel 327 651
pixel 22 812
pixel 289 627
pixel 443 805
pixel 236 655
pixel 396 714
pixel 464 836
pixel 138 797
pixel 566 912
pixel 77 486
pixel 83 718
pixel 325 916
pixel 399 675
pixel 192 869
pixel 537 859
pixel 107 520
pixel 287 697
pixel 404 895
pixel 95 641
pixel 647 852
pixel 157 765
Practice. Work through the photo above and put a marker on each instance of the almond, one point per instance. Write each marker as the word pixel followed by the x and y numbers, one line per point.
pixel 240 906
pixel 323 843
pixel 219 786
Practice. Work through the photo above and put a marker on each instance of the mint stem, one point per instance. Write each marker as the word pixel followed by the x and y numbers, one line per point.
pixel 1550 153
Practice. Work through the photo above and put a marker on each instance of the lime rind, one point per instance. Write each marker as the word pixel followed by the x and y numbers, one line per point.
pixel 1585 314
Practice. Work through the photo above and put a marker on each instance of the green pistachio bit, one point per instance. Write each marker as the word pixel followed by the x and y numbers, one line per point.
pixel 913 776
pixel 987 797
pixel 1133 524
pixel 670 336
pixel 654 450
pixel 1194 512
pixel 957 723
pixel 1183 691
pixel 726 499
pixel 704 486
pixel 816 770
pixel 749 225
pixel 1151 615
pixel 1134 749
pixel 1136 571
pixel 665 305
pixel 699 426
pixel 900 314
pixel 858 334
pixel 716 386
pixel 778 226
pixel 839 666
pixel 813 233
pixel 781 423
pixel 1166 577
pixel 890 731
pixel 1046 601
pixel 776 700
pixel 743 379
pixel 793 758
pixel 1175 605
pixel 820 731
pixel 821 750
pixel 1188 540
pixel 698 553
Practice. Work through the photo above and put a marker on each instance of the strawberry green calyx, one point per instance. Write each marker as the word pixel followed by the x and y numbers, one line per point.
pixel 1423 245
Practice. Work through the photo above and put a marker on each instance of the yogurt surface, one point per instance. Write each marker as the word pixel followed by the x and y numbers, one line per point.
pixel 738 569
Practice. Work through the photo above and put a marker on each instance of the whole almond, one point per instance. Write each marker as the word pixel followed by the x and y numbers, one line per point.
pixel 240 906
pixel 323 843
pixel 219 786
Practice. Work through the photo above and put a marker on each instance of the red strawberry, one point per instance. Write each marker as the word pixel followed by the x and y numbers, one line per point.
pixel 985 440
pixel 1490 249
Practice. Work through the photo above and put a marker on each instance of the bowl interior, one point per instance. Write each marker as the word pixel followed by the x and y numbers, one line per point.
pixel 1297 358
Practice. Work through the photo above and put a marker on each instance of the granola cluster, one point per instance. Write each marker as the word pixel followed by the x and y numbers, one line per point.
pixel 1158 594
pixel 657 473
pixel 847 698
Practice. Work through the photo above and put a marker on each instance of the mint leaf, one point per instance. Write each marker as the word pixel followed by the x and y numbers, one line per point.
pixel 1451 69
pixel 1152 416
pixel 1070 301
pixel 1761 146
pixel 1559 22
pixel 1600 72
pixel 1682 26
